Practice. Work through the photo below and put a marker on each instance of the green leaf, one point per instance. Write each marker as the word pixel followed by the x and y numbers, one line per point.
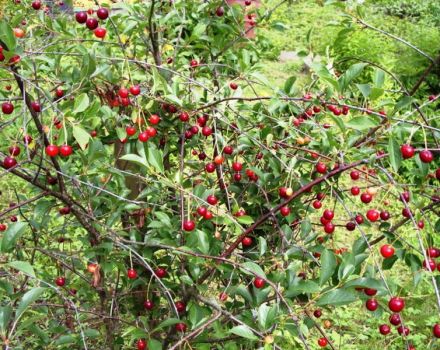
pixel 244 332
pixel 253 269
pixel 376 93
pixel 365 282
pixel 379 77
pixel 135 159
pixel 337 297
pixel 154 344
pixel 403 102
pixel 365 89
pixel 395 154
pixel 361 123
pixel 302 287
pixel 23 266
pixel 350 74
pixel 81 103
pixel 11 235
pixel 328 266
pixel 155 158
pixel 288 85
pixel 306 228
pixel 7 35
pixel 5 316
pixel 88 66
pixel 65 339
pixel 263 245
pixel 168 322
pixel 263 311
pixel 203 242
pixel 81 136
pixel 245 220
pixel 27 299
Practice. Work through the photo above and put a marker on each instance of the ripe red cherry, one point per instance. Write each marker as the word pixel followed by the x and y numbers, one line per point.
pixel 320 196
pixel 259 282
pixel 395 319
pixel 202 211
pixel 384 329
pixel 52 150
pixel 228 150
pixel 143 136
pixel 161 272
pixel 60 281
pixel 246 241
pixel 210 167
pixel 131 274
pixel 180 306
pixel 36 5
pixel 317 204
pixel 135 90
pixel 384 215
pixel 370 291
pixel 373 215
pixel 154 119
pixel 359 219
pixel 355 175
pixel 211 199
pixel 66 150
pixel 81 17
pixel 436 330
pixel 36 107
pixel 236 166
pixel 396 304
pixel 237 177
pixel 406 212
pixel 321 168
pixel 9 162
pixel 329 228
pixel 151 131
pixel 220 11
pixel 3 227
pixel 7 107
pixel 407 151
pixel 285 211
pixel 148 304
pixel 180 327
pixel 184 117
pixel 431 263
pixel 405 197
pixel 387 251
pixel 130 130
pixel 372 304
pixel 322 342
pixel 64 210
pixel 206 131
pixel 92 23
pixel 189 225
pixel 366 197
pixel 426 156
pixel 328 214
pixel 100 32
pixel 350 226
pixel 194 63
pixel 233 86
pixel 403 330
pixel 141 344
pixel 102 13
pixel 355 190
pixel 317 313
pixel 433 252
pixel 14 151
pixel 123 93
pixel 437 174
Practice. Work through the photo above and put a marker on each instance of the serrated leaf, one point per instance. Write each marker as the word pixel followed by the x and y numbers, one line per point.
pixel 395 154
pixel 5 316
pixel 253 269
pixel 203 241
pixel 302 287
pixel 11 235
pixel 244 332
pixel 365 89
pixel 135 159
pixel 361 123
pixel 23 266
pixel 154 344
pixel 245 220
pixel 7 35
pixel 328 266
pixel 337 297
pixel 81 136
pixel 81 103
pixel 168 322
pixel 27 299
pixel 155 158
pixel 350 74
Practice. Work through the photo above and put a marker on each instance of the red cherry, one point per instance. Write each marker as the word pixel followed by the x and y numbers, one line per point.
pixel 154 119
pixel 7 107
pixel 322 342
pixel 329 228
pixel 395 319
pixel 433 252
pixel 246 241
pixel 407 151
pixel 431 263
pixel 60 281
pixel 373 215
pixel 131 274
pixel 405 197
pixel 36 5
pixel 321 168
pixel 366 197
pixel 81 17
pixel 151 131
pixel 189 225
pixel 123 93
pixel 52 150
pixel 135 90
pixel 285 211
pixel 206 131
pixel 194 63
pixel 14 151
pixel 359 219
pixel 437 174
pixel 403 330
pixel 220 11
pixel 228 150
pixel 210 167
pixel 372 304
pixel 3 227
pixel 317 313
pixel 436 330
pixel 384 329
pixel 370 291
pixel 237 177
pixel 233 86
pixel 161 272
pixel 355 175
pixel 92 23
pixel 317 204
pixel 180 306
pixel 406 212
pixel 36 107
pixel 184 117
pixel 130 130
pixel 180 327
pixel 66 150
pixel 9 162
pixel 396 304
pixel 355 190
pixel 236 166
pixel 421 224
pixel 211 199
pixel 143 136
pixel 350 226
pixel 100 32
pixel 384 215
pixel 141 344
pixel 387 251
pixel 64 210
pixel 148 304
pixel 328 214
pixel 259 282
pixel 102 13
pixel 426 156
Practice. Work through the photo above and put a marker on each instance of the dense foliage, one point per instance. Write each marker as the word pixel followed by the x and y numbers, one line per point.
pixel 159 192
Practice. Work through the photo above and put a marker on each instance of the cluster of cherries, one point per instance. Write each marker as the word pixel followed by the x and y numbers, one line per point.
pixel 92 23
